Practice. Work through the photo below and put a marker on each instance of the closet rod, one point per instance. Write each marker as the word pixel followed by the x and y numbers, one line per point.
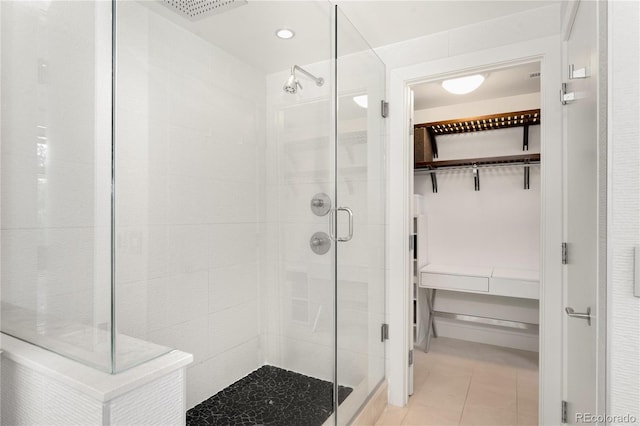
pixel 479 166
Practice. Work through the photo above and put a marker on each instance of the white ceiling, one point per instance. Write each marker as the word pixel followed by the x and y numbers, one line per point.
pixel 391 21
pixel 248 32
pixel 498 84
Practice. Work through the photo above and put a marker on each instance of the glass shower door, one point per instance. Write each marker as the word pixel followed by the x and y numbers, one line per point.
pixel 359 216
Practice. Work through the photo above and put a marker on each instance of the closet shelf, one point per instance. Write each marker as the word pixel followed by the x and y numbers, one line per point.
pixel 425 134
pixel 482 161
pixel 484 122
pixel 425 146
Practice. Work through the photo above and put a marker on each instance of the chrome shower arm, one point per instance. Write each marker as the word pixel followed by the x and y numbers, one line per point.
pixel 319 80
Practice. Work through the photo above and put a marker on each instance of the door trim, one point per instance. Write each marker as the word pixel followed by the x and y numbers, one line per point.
pixel 548 52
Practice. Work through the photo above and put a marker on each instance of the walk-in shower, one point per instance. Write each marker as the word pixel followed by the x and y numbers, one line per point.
pixel 188 224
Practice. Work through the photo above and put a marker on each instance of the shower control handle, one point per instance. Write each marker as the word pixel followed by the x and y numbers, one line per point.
pixel 320 204
pixel 332 227
pixel 320 243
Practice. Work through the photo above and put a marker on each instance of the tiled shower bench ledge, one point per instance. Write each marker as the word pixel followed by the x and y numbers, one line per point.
pixel 42 387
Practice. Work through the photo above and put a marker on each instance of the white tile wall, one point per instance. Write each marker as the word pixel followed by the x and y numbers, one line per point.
pixel 233 286
pixel 190 146
pixel 222 370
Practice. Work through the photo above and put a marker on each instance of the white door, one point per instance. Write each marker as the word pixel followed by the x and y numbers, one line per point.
pixel 582 219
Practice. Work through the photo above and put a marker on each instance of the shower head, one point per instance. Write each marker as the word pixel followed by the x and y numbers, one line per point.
pixel 198 9
pixel 292 83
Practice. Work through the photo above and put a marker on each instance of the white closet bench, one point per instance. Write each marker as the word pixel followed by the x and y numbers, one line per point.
pixel 507 282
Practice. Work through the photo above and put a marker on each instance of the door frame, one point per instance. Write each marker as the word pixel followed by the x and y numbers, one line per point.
pixel 547 51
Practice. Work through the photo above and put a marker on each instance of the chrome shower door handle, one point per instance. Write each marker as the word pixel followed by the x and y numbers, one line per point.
pixel 350 213
pixel 585 315
pixel 332 227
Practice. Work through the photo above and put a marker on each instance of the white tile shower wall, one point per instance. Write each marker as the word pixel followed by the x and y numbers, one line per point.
pixel 190 181
pixel 222 370
pixel 56 162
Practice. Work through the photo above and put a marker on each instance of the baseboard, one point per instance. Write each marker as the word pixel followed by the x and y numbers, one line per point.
pixel 497 336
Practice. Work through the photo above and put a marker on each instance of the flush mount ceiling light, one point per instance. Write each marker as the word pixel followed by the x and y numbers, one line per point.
pixel 285 33
pixel 463 85
pixel 361 100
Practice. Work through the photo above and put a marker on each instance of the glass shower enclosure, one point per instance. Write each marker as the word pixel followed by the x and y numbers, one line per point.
pixel 175 178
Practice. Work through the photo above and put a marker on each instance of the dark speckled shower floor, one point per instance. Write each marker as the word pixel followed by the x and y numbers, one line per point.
pixel 269 396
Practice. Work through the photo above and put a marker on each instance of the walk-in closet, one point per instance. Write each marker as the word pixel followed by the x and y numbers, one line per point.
pixel 476 245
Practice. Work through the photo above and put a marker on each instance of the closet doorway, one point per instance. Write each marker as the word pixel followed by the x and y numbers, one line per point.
pixel 548 54
pixel 476 244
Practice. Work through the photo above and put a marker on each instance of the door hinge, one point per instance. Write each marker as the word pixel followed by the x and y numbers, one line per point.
pixel 565 254
pixel 565 96
pixel 564 411
pixel 384 332
pixel 411 242
pixel 411 357
pixel 384 108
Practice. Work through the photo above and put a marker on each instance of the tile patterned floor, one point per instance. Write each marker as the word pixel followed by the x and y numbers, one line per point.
pixel 269 396
pixel 464 383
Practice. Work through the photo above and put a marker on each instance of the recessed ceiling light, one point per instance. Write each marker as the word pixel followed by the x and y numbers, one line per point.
pixel 361 100
pixel 463 85
pixel 285 33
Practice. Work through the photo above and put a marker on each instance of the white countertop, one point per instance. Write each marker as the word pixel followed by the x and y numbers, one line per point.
pixel 464 270
pixel 483 271
pixel 516 274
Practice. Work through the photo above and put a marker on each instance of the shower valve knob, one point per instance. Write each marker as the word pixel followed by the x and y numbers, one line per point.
pixel 320 243
pixel 320 204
